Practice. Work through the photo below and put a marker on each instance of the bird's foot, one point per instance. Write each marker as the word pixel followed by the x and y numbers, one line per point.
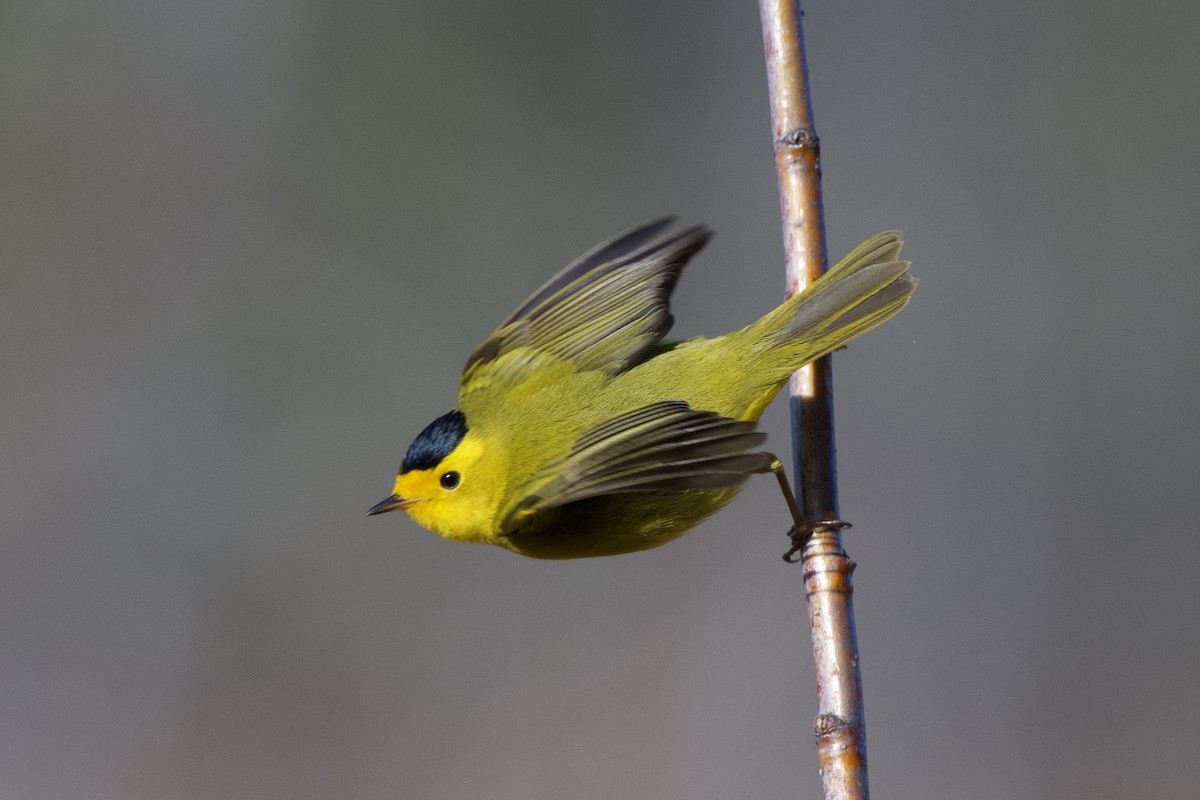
pixel 800 533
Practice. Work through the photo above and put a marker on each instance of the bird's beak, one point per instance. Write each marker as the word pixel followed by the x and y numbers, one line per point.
pixel 391 504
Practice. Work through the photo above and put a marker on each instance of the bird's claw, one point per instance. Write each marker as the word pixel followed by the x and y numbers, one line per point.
pixel 799 534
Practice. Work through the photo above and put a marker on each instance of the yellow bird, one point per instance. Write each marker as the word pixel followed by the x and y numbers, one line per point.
pixel 580 432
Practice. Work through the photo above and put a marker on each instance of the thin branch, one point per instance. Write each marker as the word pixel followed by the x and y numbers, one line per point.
pixel 839 726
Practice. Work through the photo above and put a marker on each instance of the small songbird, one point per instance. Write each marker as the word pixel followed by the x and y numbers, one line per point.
pixel 580 432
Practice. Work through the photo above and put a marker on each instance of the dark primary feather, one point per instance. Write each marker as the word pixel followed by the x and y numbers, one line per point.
pixel 604 253
pixel 604 311
pixel 437 441
pixel 663 446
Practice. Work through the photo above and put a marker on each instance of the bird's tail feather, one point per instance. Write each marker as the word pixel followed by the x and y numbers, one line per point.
pixel 862 291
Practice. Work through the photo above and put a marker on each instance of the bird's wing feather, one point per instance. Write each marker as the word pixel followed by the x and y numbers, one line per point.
pixel 604 310
pixel 662 446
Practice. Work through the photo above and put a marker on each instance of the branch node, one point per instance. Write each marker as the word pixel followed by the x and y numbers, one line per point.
pixel 804 138
pixel 825 725
pixel 800 534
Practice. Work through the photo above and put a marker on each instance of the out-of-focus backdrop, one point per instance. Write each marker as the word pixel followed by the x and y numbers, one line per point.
pixel 246 247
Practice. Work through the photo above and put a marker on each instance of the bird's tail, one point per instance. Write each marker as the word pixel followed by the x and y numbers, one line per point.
pixel 862 291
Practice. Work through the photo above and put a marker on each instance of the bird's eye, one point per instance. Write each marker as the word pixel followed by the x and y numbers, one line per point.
pixel 450 480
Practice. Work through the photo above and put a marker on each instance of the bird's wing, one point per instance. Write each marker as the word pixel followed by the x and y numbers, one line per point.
pixel 663 446
pixel 601 312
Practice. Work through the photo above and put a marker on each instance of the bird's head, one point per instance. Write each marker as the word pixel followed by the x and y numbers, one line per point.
pixel 444 483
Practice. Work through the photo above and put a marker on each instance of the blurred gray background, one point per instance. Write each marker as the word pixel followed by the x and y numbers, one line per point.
pixel 247 247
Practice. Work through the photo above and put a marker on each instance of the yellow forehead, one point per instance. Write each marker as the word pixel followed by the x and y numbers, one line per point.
pixel 426 483
pixel 417 484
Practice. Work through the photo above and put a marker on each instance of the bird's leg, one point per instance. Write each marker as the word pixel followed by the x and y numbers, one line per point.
pixel 802 528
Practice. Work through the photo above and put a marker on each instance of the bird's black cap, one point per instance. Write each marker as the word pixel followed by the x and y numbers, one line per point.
pixel 437 441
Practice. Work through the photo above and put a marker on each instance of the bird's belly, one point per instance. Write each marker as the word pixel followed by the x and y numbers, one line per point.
pixel 615 524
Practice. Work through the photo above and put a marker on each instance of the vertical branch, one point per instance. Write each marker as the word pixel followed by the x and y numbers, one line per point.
pixel 839 726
